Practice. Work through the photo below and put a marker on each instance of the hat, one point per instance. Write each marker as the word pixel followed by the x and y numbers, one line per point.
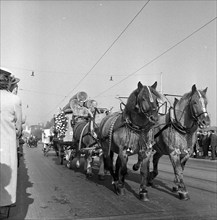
pixel 4 71
pixel 82 96
pixel 14 80
pixel 4 78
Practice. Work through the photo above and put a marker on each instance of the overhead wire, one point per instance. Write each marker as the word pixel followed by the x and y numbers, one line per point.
pixel 102 55
pixel 151 61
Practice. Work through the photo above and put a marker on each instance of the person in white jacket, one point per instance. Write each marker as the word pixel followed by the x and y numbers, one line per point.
pixel 10 129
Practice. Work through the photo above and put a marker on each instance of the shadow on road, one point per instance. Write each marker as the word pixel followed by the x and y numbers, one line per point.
pixel 23 198
pixel 134 177
pixel 158 185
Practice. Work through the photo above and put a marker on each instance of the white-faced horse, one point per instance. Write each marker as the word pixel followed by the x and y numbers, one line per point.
pixel 177 133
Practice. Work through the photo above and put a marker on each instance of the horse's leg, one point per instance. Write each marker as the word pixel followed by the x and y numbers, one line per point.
pixel 121 172
pixel 108 163
pixel 179 180
pixel 137 165
pixel 78 157
pixel 101 174
pixel 88 163
pixel 144 173
pixel 154 172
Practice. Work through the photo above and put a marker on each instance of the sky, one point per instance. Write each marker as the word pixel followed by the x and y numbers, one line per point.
pixel 73 46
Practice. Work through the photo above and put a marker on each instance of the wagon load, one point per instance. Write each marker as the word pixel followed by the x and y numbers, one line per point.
pixel 75 100
pixel 60 124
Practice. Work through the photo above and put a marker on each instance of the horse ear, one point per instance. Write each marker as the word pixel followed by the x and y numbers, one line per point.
pixel 193 89
pixel 154 86
pixel 205 90
pixel 175 101
pixel 140 86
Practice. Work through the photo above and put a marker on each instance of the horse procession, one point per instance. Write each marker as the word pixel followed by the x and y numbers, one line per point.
pixel 147 125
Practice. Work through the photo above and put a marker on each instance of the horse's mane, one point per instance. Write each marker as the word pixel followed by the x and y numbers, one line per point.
pixel 155 92
pixel 131 101
pixel 189 94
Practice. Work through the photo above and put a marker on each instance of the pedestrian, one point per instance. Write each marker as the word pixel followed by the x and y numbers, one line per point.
pixel 13 88
pixel 10 129
pixel 213 144
pixel 206 144
pixel 13 85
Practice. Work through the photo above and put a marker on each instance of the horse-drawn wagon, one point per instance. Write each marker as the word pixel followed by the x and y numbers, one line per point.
pixel 76 127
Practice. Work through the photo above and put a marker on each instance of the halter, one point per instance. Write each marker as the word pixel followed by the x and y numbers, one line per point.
pixel 147 115
pixel 195 117
pixel 177 125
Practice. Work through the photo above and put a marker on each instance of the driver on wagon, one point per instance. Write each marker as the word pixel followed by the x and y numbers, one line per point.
pixel 80 112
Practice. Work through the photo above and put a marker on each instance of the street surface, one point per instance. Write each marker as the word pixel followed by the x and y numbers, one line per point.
pixel 48 190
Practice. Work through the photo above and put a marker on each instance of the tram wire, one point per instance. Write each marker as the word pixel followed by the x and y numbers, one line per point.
pixel 102 55
pixel 145 65
pixel 156 58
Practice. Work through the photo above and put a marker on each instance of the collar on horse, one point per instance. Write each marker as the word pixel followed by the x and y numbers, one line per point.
pixel 132 126
pixel 173 121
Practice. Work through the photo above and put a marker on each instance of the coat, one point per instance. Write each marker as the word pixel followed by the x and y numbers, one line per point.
pixel 10 129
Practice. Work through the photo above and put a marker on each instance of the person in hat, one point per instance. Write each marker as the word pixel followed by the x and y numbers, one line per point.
pixel 79 110
pixel 13 85
pixel 10 129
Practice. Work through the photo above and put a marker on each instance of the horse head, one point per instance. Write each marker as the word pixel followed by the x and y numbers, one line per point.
pixel 145 102
pixel 198 107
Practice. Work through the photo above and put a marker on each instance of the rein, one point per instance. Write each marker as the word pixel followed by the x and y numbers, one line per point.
pixel 176 123
pixel 194 116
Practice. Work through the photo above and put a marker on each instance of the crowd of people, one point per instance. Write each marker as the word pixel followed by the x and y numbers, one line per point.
pixel 10 133
pixel 206 145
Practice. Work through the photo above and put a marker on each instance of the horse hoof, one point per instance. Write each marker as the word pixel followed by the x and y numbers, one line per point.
pixel 184 196
pixel 88 175
pixel 175 189
pixel 150 183
pixel 135 167
pixel 143 196
pixel 121 191
pixel 69 165
pixel 101 177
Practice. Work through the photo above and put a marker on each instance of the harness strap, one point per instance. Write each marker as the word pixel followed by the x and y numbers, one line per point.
pixel 110 133
pixel 81 136
pixel 178 126
pixel 164 128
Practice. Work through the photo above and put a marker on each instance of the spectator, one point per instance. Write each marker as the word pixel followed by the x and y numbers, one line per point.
pixel 13 85
pixel 206 144
pixel 213 144
pixel 10 129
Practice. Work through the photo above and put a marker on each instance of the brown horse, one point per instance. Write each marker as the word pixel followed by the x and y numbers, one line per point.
pixel 128 133
pixel 176 135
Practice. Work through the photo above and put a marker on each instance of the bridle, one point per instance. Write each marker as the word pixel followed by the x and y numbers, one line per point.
pixel 193 114
pixel 147 114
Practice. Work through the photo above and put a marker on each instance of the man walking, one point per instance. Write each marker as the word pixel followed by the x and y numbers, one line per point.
pixel 213 144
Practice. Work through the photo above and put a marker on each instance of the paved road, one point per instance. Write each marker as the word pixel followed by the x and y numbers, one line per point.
pixel 47 190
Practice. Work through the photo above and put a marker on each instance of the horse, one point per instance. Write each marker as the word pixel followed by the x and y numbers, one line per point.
pixel 85 141
pixel 127 133
pixel 176 134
